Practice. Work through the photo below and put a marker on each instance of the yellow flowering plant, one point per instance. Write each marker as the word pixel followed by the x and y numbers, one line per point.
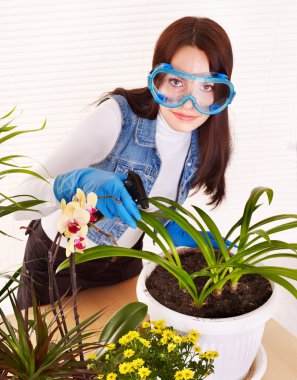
pixel 153 351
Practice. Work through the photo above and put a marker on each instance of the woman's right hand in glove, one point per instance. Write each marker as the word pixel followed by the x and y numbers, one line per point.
pixel 104 184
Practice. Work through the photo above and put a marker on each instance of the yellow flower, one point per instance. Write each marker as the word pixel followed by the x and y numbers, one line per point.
pixel 197 349
pixel 133 334
pixel 170 347
pixel 106 356
pixel 164 340
pixel 159 324
pixel 110 346
pixel 168 333
pixel 193 336
pixel 128 337
pixel 184 374
pixel 128 353
pixel 125 368
pixel 210 355
pixel 178 375
pixel 100 377
pixel 124 340
pixel 177 339
pixel 156 331
pixel 188 374
pixel 146 325
pixel 111 376
pixel 143 372
pixel 92 356
pixel 145 342
pixel 136 363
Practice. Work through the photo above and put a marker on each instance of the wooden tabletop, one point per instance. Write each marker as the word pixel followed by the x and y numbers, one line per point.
pixel 279 344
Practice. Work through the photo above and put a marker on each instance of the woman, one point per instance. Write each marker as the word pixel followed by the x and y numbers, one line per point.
pixel 173 133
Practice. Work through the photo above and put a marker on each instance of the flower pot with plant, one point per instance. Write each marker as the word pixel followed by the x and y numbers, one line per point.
pixel 205 278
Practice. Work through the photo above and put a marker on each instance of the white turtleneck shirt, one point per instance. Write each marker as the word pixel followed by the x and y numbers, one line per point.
pixel 90 142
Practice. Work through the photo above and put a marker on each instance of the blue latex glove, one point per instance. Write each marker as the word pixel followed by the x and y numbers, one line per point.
pixel 102 183
pixel 181 238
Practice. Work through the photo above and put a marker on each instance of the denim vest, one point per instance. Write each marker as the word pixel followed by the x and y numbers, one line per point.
pixel 136 150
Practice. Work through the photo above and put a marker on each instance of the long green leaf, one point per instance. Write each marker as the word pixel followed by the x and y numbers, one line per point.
pixel 4 159
pixel 269 257
pixel 13 278
pixel 236 225
pixel 124 320
pixel 206 250
pixel 249 209
pixel 175 206
pixel 21 206
pixel 273 219
pixel 22 171
pixel 6 127
pixel 146 217
pixel 275 274
pixel 215 232
pixel 8 114
pixel 271 231
pixel 108 251
pixel 151 220
pixel 260 233
pixel 11 135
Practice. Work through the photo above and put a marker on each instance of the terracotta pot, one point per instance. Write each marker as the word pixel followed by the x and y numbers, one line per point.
pixel 237 339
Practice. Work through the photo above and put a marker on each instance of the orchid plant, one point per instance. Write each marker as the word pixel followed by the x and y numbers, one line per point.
pixel 254 246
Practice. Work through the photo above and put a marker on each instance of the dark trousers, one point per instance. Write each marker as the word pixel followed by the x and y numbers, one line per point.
pixel 100 272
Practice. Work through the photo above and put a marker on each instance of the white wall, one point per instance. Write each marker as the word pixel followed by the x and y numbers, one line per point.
pixel 57 57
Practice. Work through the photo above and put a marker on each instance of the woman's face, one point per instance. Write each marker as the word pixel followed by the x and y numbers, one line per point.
pixel 186 118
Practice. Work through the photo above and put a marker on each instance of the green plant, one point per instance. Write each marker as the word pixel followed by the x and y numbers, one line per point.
pixel 254 242
pixel 34 350
pixel 8 166
pixel 151 352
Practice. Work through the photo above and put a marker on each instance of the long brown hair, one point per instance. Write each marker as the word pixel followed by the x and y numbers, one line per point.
pixel 214 135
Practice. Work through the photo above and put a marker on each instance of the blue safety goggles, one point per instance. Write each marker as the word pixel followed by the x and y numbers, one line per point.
pixel 210 93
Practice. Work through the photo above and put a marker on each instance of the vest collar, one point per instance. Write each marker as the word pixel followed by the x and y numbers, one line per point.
pixel 145 132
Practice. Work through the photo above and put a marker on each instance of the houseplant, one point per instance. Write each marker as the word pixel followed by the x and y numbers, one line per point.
pixel 153 352
pixel 221 270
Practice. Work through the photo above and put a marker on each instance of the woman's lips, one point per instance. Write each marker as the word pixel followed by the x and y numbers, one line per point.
pixel 183 116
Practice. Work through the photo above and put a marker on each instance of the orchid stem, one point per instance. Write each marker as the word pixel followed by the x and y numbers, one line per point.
pixel 56 289
pixel 51 282
pixel 74 299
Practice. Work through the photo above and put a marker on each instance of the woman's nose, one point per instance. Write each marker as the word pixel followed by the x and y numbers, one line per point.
pixel 188 105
